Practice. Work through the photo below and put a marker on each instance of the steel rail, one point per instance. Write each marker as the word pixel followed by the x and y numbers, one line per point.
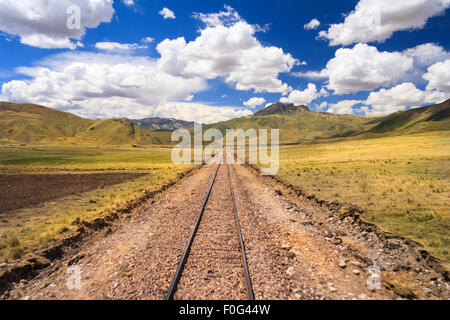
pixel 178 273
pixel 187 249
pixel 248 281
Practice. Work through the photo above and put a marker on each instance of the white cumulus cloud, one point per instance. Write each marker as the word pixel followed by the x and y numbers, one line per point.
pixel 438 76
pixel 100 85
pixel 191 111
pixel 227 48
pixel 323 105
pixel 128 3
pixel 167 13
pixel 115 46
pixel 424 56
pixel 304 97
pixel 228 17
pixel 343 106
pixel 427 54
pixel 386 101
pixel 254 102
pixel 363 68
pixel 313 24
pixel 377 20
pixel 43 23
pixel 147 40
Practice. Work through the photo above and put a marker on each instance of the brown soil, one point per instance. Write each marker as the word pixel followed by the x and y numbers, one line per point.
pixel 26 190
pixel 296 249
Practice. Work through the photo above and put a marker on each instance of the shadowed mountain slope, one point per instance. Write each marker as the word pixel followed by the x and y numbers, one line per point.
pixel 162 124
pixel 29 123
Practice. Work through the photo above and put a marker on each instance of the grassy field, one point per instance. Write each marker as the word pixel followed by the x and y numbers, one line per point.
pixel 24 230
pixel 402 183
pixel 67 158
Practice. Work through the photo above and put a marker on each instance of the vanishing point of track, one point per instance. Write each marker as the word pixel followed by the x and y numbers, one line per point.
pixel 181 270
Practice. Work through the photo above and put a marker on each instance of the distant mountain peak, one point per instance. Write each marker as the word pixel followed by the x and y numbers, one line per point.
pixel 162 124
pixel 281 108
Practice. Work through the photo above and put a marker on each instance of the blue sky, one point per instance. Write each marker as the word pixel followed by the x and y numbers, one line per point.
pixel 214 60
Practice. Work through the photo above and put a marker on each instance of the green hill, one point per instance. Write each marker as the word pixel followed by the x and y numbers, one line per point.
pixel 28 123
pixel 299 124
pixel 31 123
pixel 116 132
pixel 424 119
pixel 280 108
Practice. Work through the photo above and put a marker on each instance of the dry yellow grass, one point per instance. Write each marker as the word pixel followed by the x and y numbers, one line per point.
pixel 402 183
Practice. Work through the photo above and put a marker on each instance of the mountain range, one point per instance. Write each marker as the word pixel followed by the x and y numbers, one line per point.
pixel 298 123
pixel 162 124
pixel 29 123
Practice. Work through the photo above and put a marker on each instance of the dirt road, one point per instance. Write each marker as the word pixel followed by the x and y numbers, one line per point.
pixel 296 249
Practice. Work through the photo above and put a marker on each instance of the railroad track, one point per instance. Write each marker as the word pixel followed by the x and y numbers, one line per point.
pixel 214 255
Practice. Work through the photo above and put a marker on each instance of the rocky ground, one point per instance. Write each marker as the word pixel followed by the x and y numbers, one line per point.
pixel 297 248
pixel 214 267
